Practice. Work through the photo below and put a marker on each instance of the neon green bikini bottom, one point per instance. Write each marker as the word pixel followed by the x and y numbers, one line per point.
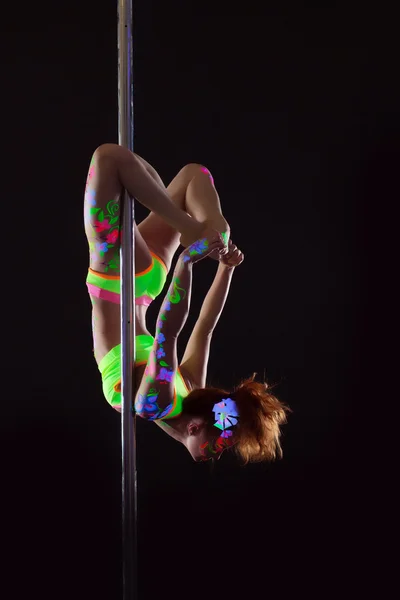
pixel 148 284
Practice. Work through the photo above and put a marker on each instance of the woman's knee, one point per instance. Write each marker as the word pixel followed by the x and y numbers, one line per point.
pixel 193 169
pixel 105 150
pixel 113 152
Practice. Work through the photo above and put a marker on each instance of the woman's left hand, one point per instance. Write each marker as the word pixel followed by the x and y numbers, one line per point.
pixel 233 258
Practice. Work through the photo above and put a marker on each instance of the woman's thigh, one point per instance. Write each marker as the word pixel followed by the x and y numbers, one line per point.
pixel 103 220
pixel 161 238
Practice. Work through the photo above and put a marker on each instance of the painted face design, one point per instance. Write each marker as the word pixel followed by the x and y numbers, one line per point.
pixel 226 413
pixel 214 448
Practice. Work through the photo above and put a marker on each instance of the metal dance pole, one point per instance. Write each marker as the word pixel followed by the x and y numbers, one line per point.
pixel 128 438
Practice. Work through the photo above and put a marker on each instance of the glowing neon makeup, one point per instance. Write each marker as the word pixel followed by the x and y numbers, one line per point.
pixel 195 249
pixel 90 175
pixel 112 237
pixel 91 197
pixel 165 375
pixel 207 172
pixel 101 226
pixel 175 296
pixel 148 405
pixel 225 412
pixel 105 223
pixel 212 449
pixel 160 338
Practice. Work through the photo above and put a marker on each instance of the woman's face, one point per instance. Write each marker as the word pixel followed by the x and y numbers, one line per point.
pixel 198 436
pixel 203 442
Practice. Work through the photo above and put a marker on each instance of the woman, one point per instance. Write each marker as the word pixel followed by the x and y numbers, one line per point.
pixel 205 420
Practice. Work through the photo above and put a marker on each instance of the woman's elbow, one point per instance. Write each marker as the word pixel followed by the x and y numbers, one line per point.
pixel 147 408
pixel 154 415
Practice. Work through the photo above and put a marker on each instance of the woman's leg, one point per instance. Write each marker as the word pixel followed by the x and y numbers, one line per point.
pixel 114 168
pixel 102 218
pixel 191 190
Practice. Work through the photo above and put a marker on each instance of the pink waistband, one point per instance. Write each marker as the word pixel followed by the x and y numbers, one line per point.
pixel 94 290
pixel 144 300
pixel 98 292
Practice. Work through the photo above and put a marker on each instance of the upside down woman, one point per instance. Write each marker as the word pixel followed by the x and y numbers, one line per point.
pixel 206 420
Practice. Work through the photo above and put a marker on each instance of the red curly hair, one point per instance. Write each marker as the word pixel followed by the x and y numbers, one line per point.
pixel 257 434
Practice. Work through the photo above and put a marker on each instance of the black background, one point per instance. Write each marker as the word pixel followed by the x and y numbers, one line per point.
pixel 294 109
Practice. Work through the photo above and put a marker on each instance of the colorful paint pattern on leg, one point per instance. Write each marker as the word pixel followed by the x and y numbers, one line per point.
pixel 105 223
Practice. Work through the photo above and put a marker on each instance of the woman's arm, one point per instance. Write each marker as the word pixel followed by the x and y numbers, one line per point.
pixel 215 299
pixel 195 358
pixel 155 396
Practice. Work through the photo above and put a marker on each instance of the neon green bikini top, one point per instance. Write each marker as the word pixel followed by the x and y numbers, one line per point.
pixel 110 369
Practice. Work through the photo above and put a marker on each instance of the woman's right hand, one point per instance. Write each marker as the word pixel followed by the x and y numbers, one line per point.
pixel 210 242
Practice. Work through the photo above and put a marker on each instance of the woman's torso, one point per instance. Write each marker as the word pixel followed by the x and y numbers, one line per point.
pixel 107 333
pixel 107 325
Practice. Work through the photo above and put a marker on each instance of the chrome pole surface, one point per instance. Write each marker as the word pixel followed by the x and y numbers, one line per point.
pixel 128 437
